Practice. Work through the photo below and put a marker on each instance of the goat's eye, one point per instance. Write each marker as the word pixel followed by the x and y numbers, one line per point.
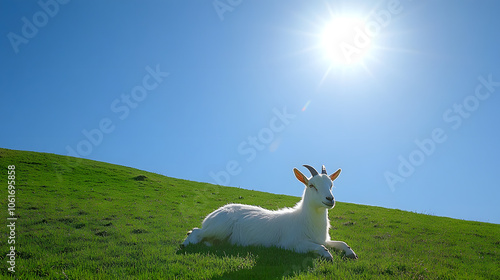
pixel 312 186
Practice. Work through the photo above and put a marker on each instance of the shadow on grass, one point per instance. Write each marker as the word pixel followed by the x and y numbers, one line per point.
pixel 261 262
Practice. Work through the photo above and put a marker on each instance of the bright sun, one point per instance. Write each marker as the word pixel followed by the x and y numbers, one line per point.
pixel 345 41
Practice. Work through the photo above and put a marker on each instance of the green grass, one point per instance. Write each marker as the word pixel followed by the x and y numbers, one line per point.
pixel 82 219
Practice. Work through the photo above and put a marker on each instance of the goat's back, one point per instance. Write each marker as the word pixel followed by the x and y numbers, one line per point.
pixel 252 225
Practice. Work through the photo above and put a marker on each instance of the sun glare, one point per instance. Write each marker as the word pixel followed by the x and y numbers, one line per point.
pixel 344 41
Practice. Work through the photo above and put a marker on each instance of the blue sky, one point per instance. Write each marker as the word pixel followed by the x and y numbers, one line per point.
pixel 241 92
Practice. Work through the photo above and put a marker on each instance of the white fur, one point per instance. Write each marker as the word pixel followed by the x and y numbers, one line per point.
pixel 303 228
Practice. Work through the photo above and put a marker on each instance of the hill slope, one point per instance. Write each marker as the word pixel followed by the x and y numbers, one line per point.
pixel 82 219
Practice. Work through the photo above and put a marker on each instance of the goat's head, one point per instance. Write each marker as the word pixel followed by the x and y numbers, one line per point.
pixel 319 186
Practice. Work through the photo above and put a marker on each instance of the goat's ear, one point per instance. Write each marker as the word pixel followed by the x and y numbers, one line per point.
pixel 300 176
pixel 335 175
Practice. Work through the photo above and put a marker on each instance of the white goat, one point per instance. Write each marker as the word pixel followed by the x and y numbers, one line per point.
pixel 303 228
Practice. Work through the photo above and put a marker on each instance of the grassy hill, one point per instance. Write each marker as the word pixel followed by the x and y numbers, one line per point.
pixel 82 219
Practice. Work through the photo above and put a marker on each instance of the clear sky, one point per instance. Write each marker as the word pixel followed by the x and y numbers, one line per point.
pixel 402 95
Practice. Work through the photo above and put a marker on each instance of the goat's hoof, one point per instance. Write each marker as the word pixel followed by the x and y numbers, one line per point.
pixel 328 259
pixel 325 254
pixel 352 256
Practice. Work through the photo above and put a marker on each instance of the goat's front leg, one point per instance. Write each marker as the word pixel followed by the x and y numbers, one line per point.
pixel 308 246
pixel 342 246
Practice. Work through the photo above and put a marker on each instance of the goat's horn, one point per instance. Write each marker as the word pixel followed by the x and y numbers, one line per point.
pixel 311 169
pixel 323 170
